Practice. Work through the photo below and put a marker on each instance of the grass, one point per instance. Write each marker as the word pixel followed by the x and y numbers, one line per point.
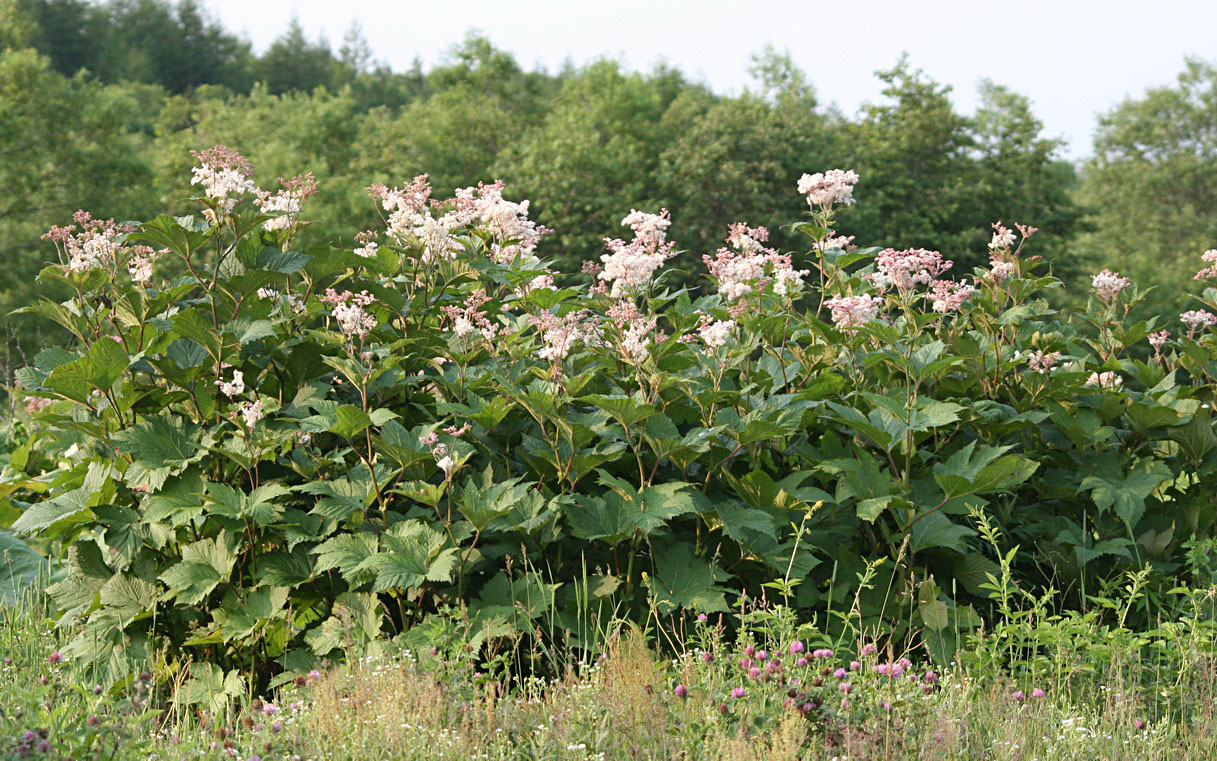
pixel 761 696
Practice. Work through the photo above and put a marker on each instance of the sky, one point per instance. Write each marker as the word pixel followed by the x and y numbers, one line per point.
pixel 1075 59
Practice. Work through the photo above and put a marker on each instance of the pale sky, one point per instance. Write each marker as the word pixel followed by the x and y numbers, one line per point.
pixel 1073 58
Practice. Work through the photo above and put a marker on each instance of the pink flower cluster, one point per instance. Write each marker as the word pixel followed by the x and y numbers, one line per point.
pixel 630 266
pixel 1210 272
pixel 1041 361
pixel 1107 285
pixel 471 318
pixel 905 270
pixel 827 189
pixel 852 311
pixel 97 244
pixel 948 295
pixel 349 311
pixel 751 266
pixel 635 330
pixel 1197 319
pixel 559 334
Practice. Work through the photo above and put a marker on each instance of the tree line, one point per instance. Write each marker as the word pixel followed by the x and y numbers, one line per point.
pixel 101 102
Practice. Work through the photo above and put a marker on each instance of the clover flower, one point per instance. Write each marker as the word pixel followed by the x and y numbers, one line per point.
pixel 682 691
pixel 738 692
pixel 796 647
pixel 1038 693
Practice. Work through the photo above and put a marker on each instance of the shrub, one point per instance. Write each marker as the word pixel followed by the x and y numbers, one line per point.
pixel 267 456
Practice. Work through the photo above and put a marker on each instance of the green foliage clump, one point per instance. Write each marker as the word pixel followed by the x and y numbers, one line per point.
pixel 260 454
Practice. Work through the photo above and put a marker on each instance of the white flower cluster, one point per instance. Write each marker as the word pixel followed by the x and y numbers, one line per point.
pixel 1197 319
pixel 1109 380
pixel 515 236
pixel 368 250
pixel 225 185
pixel 715 333
pixel 251 413
pixel 852 311
pixel 630 266
pixel 741 271
pixel 1107 285
pixel 234 387
pixel 348 311
pixel 93 248
pixel 1003 238
pixel 139 266
pixel 825 189
pixel 286 203
pixel 295 302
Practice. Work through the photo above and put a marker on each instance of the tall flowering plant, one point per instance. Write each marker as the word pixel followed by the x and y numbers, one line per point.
pixel 260 456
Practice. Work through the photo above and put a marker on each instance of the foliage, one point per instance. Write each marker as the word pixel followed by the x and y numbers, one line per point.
pixel 260 454
pixel 1150 187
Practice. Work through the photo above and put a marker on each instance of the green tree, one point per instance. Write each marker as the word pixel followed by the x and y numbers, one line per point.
pixel 1151 188
pixel 65 146
pixel 593 158
pixel 294 63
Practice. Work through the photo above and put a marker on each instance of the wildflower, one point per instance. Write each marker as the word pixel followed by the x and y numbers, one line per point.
pixel 869 649
pixel 845 687
pixel 93 720
pixel 762 655
pixel 314 674
pixel 801 662
pixel 1002 271
pixel 826 189
pixel 822 652
pixel 947 296
pixel 738 692
pixel 853 311
pixel 54 658
pixel 930 677
pixel 1018 695
pixel 1208 273
pixel 1138 724
pixel 796 647
pixel 276 726
pixel 751 266
pixel 349 311
pixel 886 706
pixel 1197 319
pixel 1109 380
pixel 904 270
pixel 1107 285
pixel 1038 693
pixel 98 244
pixel 471 319
pixel 854 665
pixel 754 672
pixel 1003 238
pixel 287 202
pixel 1041 361
pixel 270 709
pixel 251 413
pixel 1158 340
pixel 707 657
pixel 234 387
pixel 714 333
pixel 139 266
pixel 682 691
pixel 701 618
pixel 749 650
pixel 840 673
pixel 224 174
pixel 446 464
pixel 630 266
